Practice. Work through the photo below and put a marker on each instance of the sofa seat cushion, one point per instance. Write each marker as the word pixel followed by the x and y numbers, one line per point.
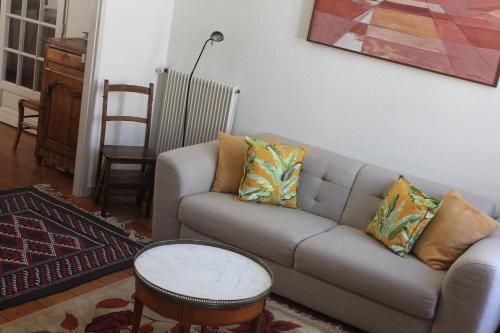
pixel 350 259
pixel 270 232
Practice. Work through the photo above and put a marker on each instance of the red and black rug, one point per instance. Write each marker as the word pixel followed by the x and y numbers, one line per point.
pixel 48 245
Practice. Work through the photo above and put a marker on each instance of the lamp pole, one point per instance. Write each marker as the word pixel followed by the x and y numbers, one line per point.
pixel 216 37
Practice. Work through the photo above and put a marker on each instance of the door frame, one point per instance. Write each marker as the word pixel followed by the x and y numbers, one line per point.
pixel 84 160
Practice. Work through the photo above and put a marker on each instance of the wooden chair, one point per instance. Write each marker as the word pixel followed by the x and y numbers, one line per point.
pixel 21 124
pixel 141 181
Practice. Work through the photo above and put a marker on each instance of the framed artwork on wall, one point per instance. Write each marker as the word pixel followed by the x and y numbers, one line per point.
pixel 460 38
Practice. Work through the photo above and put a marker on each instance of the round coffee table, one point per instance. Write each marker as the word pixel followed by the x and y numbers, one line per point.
pixel 200 283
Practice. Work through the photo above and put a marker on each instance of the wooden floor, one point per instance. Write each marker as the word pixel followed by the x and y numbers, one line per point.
pixel 19 169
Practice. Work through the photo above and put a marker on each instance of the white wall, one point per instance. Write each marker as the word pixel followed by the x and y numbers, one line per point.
pixel 79 16
pixel 406 119
pixel 133 42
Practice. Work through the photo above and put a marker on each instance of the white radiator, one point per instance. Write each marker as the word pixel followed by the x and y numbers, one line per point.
pixel 211 109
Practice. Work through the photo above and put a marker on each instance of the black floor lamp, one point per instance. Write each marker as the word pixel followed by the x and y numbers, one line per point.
pixel 217 37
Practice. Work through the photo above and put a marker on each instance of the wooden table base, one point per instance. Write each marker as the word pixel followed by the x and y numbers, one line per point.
pixel 192 314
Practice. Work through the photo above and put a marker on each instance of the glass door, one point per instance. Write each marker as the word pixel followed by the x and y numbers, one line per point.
pixel 26 24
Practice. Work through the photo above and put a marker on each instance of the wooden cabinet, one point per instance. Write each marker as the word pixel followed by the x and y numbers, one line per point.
pixel 61 97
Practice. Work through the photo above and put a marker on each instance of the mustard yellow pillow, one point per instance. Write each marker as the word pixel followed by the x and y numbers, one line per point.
pixel 456 227
pixel 402 217
pixel 271 173
pixel 231 162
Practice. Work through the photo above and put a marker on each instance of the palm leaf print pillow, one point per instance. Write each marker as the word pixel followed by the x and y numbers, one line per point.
pixel 271 173
pixel 402 217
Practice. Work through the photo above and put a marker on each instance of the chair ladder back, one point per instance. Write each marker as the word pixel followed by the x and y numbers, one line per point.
pixel 132 89
pixel 149 115
pixel 104 112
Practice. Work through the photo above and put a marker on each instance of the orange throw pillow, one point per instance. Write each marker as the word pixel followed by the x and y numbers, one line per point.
pixel 456 227
pixel 231 162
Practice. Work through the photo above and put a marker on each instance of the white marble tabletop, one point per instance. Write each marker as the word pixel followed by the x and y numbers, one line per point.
pixel 203 272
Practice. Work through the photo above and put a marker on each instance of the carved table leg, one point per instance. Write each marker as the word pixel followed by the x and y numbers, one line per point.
pixel 138 306
pixel 256 325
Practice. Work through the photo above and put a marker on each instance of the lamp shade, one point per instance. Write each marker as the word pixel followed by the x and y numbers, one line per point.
pixel 217 36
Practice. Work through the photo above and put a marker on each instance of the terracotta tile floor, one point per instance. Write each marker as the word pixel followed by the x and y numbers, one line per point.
pixel 19 169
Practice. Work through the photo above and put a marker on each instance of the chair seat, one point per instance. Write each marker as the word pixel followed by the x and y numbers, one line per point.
pixel 128 154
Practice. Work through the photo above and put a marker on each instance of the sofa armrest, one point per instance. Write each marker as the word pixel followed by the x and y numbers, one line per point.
pixel 470 297
pixel 180 173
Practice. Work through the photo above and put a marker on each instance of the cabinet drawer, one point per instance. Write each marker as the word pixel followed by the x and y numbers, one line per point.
pixel 69 71
pixel 64 58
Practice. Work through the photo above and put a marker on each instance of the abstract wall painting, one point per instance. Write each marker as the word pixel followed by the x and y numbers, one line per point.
pixel 460 38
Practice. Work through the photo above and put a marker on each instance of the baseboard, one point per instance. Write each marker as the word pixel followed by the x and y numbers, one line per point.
pixel 87 192
pixel 10 117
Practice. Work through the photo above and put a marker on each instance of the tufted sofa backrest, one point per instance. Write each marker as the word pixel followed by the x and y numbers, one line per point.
pixel 325 181
pixel 349 191
pixel 372 185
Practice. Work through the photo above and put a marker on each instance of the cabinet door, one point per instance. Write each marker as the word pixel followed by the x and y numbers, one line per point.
pixel 63 103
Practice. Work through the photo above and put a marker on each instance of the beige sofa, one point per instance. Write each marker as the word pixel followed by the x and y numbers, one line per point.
pixel 318 253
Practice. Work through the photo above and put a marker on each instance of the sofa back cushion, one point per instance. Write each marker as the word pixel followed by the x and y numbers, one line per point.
pixel 325 181
pixel 373 183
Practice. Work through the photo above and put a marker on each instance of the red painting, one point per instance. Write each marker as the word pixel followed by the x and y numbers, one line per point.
pixel 460 38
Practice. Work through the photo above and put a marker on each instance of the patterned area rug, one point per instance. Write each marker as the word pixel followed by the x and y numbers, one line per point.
pixel 109 310
pixel 48 245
